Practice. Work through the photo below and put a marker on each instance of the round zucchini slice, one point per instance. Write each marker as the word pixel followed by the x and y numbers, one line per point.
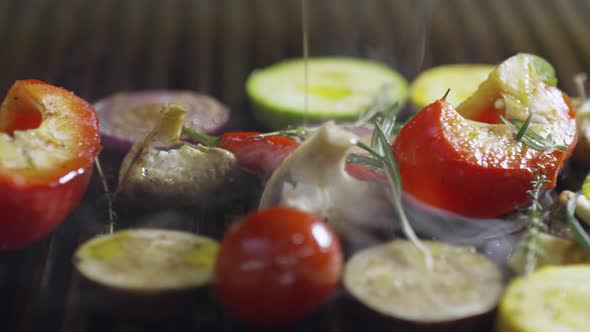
pixel 462 79
pixel 392 280
pixel 134 272
pixel 339 88
pixel 548 300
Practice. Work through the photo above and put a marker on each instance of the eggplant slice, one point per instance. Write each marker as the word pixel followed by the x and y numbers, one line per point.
pixel 148 260
pixel 126 118
pixel 394 281
pixel 145 273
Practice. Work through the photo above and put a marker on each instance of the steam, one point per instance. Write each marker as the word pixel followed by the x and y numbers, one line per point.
pixel 445 226
pixel 497 238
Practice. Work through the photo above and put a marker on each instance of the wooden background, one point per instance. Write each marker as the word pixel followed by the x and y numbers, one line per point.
pixel 95 48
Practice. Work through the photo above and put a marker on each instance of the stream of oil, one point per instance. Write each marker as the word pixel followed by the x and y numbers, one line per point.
pixel 305 47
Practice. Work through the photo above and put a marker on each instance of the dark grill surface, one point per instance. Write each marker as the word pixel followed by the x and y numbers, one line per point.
pixel 95 48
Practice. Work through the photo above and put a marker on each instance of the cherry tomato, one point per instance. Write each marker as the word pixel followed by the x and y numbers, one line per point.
pixel 263 155
pixel 48 140
pixel 257 154
pixel 276 266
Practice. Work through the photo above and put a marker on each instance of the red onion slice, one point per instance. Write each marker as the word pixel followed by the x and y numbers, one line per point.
pixel 128 117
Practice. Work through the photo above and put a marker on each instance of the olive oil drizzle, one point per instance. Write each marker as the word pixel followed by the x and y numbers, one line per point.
pixel 108 197
pixel 305 48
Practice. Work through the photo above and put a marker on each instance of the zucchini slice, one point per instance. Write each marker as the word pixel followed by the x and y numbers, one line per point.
pixel 393 280
pixel 339 88
pixel 462 79
pixel 548 300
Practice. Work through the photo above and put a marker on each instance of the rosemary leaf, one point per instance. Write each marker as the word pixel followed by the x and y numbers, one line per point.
pixel 364 160
pixel 530 138
pixel 394 180
pixel 523 129
pixel 298 132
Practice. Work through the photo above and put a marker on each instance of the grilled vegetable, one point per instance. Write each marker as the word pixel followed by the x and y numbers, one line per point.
pixel 393 282
pixel 473 160
pixel 551 299
pixel 126 118
pixel 163 171
pixel 338 88
pixel 314 179
pixel 555 251
pixel 277 266
pixel 146 273
pixel 48 141
pixel 582 202
pixel 258 154
pixel 461 79
pixel 263 153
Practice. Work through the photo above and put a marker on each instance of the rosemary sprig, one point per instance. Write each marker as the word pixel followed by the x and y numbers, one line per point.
pixel 534 225
pixel 579 233
pixel 382 153
pixel 297 132
pixel 213 141
pixel 365 160
pixel 529 137
pixel 112 216
pixel 381 104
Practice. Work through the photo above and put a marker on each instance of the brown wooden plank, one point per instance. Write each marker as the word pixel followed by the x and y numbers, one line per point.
pixel 447 41
pixel 510 27
pixel 572 19
pixel 555 48
pixel 20 44
pixel 268 36
pixel 126 46
pixel 164 36
pixel 235 56
pixel 477 31
pixel 378 31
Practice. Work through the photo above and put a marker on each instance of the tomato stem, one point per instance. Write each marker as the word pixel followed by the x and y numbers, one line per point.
pixel 204 139
pixel 444 98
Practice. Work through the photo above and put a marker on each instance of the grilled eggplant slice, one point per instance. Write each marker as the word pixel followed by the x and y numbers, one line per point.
pixel 145 273
pixel 393 282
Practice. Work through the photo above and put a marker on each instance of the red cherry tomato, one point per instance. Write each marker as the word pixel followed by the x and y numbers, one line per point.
pixel 263 155
pixel 257 154
pixel 276 266
pixel 48 140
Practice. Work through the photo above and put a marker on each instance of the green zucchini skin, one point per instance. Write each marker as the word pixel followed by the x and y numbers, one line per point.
pixel 348 87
